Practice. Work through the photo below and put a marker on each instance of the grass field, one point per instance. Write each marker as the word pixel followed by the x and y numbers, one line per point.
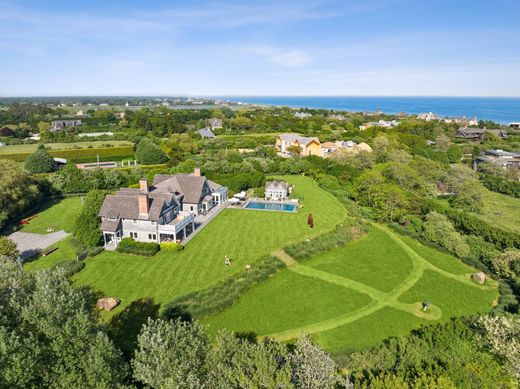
pixel 65 251
pixel 501 210
pixel 243 235
pixel 29 148
pixel 395 273
pixel 55 214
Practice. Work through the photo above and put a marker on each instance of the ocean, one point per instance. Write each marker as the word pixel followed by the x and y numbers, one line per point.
pixel 500 109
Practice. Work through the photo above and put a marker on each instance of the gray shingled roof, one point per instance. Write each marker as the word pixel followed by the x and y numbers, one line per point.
pixel 206 133
pixel 277 185
pixel 111 225
pixel 188 185
pixel 303 140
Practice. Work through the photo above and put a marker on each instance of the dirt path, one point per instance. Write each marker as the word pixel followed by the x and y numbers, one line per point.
pixel 379 299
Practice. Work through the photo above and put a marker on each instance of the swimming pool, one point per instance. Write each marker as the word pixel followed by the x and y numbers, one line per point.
pixel 284 207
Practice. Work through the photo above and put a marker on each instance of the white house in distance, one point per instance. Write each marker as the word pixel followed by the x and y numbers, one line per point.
pixel 302 115
pixel 164 211
pixel 276 190
pixel 215 123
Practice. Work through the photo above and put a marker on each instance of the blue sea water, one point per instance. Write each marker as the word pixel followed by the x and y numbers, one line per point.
pixel 502 110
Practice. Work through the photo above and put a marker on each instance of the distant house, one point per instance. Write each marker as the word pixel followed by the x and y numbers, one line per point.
pixel 461 120
pixel 276 190
pixel 79 113
pixel 6 131
pixel 2 144
pixel 206 133
pixel 380 123
pixel 164 211
pixel 62 124
pixel 345 147
pixel 429 116
pixel 308 145
pixel 337 117
pixel 514 125
pixel 302 115
pixel 215 123
pixel 477 134
pixel 504 159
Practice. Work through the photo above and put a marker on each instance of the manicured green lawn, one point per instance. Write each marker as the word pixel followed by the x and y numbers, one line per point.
pixel 454 298
pixel 64 252
pixel 395 271
pixel 374 260
pixel 56 214
pixel 29 148
pixel 243 235
pixel 286 301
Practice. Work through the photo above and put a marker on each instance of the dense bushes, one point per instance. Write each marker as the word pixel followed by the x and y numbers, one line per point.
pixel 76 154
pixel 500 184
pixel 149 153
pixel 40 162
pixel 86 227
pixel 19 192
pixel 470 224
pixel 70 267
pixel 341 235
pixel 130 246
pixel 171 246
pixel 237 182
pixel 225 293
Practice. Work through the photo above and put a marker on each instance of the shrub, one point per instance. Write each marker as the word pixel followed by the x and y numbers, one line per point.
pixel 78 154
pixel 70 267
pixel 130 246
pixel 340 236
pixel 438 229
pixel 222 295
pixel 171 246
pixel 149 153
pixel 40 162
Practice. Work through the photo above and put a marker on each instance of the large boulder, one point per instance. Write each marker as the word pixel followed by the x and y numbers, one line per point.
pixel 479 277
pixel 107 303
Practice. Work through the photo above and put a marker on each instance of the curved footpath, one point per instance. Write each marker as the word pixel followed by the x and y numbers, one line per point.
pixel 379 299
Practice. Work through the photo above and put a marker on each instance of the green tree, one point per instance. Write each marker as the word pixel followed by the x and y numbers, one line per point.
pixel 18 191
pixel 48 335
pixel 454 153
pixel 311 366
pixel 239 363
pixel 171 354
pixel 86 227
pixel 8 248
pixel 438 229
pixel 40 161
pixel 148 153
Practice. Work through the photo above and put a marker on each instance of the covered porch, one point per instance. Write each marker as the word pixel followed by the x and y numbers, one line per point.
pixel 178 229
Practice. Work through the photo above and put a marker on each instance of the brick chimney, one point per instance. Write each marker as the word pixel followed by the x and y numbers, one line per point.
pixel 196 172
pixel 143 185
pixel 143 203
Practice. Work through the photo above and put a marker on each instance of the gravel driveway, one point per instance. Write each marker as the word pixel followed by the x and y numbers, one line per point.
pixel 29 244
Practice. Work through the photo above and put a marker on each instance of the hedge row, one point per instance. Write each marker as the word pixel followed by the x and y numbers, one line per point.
pixel 223 294
pixel 469 224
pixel 77 154
pixel 130 246
pixel 340 236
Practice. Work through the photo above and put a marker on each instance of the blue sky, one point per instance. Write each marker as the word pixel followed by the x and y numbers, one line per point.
pixel 321 47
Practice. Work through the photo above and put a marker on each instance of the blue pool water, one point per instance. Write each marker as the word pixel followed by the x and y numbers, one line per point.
pixel 271 206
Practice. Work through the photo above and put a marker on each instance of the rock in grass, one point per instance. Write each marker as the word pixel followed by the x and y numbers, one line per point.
pixel 107 303
pixel 479 277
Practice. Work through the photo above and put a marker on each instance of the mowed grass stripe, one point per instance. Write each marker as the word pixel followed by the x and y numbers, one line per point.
pixel 245 236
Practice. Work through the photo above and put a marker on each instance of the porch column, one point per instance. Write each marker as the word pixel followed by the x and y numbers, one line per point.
pixel 184 232
pixel 104 239
pixel 192 226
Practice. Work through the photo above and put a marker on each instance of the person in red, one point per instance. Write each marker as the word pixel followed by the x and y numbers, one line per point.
pixel 310 221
